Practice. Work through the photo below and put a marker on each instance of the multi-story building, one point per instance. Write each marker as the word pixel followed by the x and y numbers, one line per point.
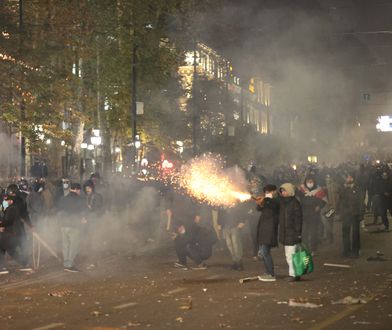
pixel 252 96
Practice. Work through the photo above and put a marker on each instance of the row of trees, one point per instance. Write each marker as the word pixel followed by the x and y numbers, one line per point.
pixel 66 67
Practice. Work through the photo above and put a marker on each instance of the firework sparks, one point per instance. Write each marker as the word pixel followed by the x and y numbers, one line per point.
pixel 204 179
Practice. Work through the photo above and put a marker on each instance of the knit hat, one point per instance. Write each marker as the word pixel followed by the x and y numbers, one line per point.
pixel 289 188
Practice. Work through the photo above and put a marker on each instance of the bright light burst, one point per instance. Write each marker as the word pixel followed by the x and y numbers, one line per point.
pixel 205 179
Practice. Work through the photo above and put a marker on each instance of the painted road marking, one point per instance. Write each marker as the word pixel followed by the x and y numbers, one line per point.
pixel 131 304
pixel 50 326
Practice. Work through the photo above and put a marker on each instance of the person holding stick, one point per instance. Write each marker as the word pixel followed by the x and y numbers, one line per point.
pixel 11 235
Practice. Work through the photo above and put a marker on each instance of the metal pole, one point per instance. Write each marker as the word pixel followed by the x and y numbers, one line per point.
pixel 133 103
pixel 195 123
pixel 22 103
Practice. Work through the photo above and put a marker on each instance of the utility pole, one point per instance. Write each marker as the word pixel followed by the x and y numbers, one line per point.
pixel 22 103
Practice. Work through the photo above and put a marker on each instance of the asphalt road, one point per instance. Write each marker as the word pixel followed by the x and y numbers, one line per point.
pixel 145 291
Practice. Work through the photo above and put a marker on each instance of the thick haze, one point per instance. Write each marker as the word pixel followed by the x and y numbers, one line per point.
pixel 315 68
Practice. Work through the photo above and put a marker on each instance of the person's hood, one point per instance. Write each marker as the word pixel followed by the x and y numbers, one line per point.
pixel 289 188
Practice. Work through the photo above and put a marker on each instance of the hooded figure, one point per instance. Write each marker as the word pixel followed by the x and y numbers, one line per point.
pixel 313 199
pixel 290 224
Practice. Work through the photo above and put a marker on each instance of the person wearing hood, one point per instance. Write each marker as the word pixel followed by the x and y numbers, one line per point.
pixel 267 229
pixel 11 234
pixel 313 198
pixel 351 208
pixel 290 225
pixel 35 202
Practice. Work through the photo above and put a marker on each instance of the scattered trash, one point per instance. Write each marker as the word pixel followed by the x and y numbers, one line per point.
pixel 189 305
pixel 361 323
pixel 134 324
pixel 377 258
pixel 179 319
pixel 204 290
pixel 349 301
pixel 336 265
pixel 282 302
pixel 61 293
pixel 27 298
pixel 294 303
pixel 96 313
pixel 175 291
pixel 248 279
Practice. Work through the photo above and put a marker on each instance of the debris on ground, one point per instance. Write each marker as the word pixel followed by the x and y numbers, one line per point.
pixel 189 305
pixel 296 303
pixel 336 265
pixel 248 279
pixel 61 293
pixel 134 324
pixel 179 319
pixel 349 301
pixel 361 323
pixel 96 313
pixel 282 302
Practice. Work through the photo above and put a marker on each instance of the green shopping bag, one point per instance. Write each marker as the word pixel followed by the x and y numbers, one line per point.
pixel 302 260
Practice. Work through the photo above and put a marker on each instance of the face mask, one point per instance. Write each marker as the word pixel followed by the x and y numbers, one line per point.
pixel 181 230
pixel 40 189
pixel 65 186
pixel 269 195
pixel 310 185
pixel 5 204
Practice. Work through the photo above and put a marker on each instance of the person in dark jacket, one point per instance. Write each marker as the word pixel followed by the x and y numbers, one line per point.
pixel 71 219
pixel 267 230
pixel 382 197
pixel 290 225
pixel 351 208
pixel 11 234
pixel 313 198
pixel 232 222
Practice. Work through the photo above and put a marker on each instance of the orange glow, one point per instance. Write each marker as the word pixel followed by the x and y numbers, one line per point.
pixel 204 179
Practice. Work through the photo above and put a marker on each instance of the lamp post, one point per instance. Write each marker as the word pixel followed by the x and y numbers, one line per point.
pixel 83 146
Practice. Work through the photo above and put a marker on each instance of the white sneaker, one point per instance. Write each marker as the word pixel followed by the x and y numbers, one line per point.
pixel 26 269
pixel 4 271
pixel 267 278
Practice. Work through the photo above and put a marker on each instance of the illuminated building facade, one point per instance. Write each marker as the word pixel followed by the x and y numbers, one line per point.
pixel 252 97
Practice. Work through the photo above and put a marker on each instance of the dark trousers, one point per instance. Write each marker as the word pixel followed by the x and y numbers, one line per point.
pixel 12 245
pixel 351 237
pixel 311 232
pixel 253 223
pixel 267 258
pixel 196 251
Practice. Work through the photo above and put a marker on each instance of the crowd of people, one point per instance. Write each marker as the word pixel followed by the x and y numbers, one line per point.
pixel 292 205
pixel 25 204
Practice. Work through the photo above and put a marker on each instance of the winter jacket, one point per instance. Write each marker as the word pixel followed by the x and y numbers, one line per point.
pixel 71 210
pixel 267 228
pixel 12 221
pixel 350 203
pixel 290 221
pixel 232 217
